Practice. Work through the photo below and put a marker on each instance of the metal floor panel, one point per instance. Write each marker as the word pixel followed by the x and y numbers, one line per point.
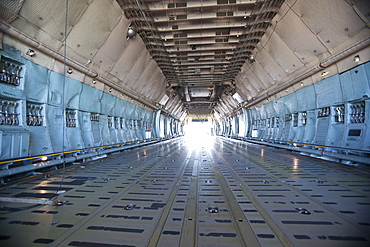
pixel 228 194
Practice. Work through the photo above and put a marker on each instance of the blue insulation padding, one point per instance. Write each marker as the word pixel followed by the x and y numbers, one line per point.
pixel 72 115
pixel 334 112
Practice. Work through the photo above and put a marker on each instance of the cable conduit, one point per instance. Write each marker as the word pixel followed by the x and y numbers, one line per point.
pixel 75 157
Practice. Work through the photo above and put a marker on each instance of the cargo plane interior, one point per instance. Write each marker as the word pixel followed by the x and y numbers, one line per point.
pixel 184 123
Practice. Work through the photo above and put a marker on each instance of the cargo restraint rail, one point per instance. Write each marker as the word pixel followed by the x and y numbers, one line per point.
pixel 31 164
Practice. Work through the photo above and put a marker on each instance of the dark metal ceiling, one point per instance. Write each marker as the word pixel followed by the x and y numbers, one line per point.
pixel 201 45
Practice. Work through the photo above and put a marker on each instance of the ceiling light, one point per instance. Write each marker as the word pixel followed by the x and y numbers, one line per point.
pixel 110 89
pixel 252 59
pixel 69 71
pixel 30 53
pixel 356 58
pixel 131 32
pixel 324 73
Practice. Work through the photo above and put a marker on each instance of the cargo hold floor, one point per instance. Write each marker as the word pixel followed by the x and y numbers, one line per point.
pixel 216 193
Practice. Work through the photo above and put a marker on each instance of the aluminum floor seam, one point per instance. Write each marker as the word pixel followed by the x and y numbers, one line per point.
pixel 175 194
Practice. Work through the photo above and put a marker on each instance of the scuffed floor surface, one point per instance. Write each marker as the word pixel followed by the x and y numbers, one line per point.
pixel 221 193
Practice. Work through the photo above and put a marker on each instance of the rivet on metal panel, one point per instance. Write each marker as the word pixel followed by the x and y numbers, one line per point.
pixel 318 181
pixel 303 211
pixel 130 207
pixel 213 210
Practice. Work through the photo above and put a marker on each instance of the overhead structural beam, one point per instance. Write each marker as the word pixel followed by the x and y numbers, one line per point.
pixel 186 91
pixel 196 6
pixel 181 42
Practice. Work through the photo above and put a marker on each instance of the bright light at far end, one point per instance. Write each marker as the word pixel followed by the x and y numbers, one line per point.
pixel 44 158
pixel 198 134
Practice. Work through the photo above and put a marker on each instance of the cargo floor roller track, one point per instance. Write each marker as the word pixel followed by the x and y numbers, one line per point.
pixel 172 194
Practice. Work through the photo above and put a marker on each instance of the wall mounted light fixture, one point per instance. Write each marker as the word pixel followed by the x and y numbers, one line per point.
pixel 30 53
pixel 131 32
pixel 325 73
pixel 356 58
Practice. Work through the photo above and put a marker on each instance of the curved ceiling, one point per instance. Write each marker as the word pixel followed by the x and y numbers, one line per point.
pixel 201 45
pixel 191 57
